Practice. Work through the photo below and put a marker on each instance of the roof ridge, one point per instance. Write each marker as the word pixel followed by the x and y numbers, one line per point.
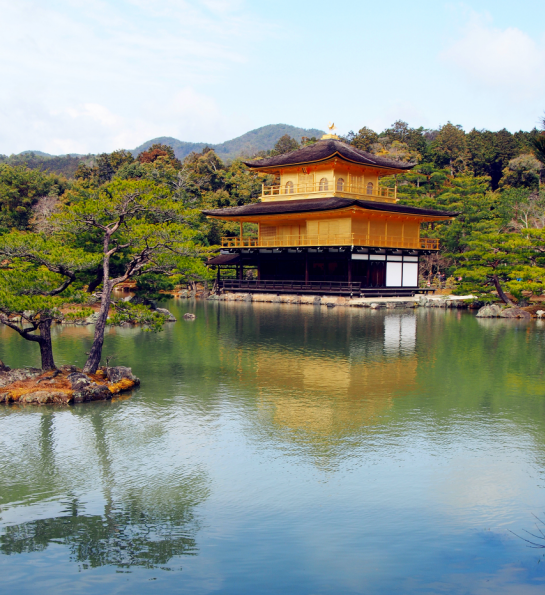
pixel 324 149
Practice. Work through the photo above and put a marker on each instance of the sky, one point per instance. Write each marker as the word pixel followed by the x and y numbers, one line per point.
pixel 90 76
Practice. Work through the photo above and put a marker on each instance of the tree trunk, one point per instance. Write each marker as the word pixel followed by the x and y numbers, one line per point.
pixel 95 282
pixel 500 291
pixel 46 348
pixel 95 355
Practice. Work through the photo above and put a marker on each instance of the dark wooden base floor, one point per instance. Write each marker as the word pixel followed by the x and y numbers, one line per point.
pixel 317 287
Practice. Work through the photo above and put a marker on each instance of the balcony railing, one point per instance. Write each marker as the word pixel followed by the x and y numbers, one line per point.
pixel 346 239
pixel 283 191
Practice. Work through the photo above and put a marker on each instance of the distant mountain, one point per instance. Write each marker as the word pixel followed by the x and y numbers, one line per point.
pixel 247 145
pixel 37 153
pixel 260 139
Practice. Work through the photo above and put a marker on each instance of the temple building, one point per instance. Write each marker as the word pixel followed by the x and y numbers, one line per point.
pixel 326 226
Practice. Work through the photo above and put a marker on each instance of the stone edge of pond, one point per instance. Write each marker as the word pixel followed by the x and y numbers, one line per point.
pixel 468 302
pixel 450 301
pixel 65 386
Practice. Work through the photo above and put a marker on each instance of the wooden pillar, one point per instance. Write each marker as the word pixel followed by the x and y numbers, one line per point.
pixel 241 232
pixel 241 271
pixel 306 266
pixel 349 267
pixel 219 274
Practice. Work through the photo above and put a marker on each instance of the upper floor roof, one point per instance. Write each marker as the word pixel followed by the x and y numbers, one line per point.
pixel 326 149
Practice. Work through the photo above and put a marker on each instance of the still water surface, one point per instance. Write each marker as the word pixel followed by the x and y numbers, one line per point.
pixel 284 449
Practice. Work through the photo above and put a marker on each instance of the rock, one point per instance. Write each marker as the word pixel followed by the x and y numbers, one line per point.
pixel 515 313
pixel 330 305
pixel 540 313
pixel 3 367
pixel 78 381
pixel 391 305
pixel 183 294
pixel 189 316
pixel 44 397
pixel 92 319
pixel 375 306
pixel 12 376
pixel 129 298
pixel 317 300
pixel 169 316
pixel 492 311
pixel 117 373
pixel 93 392
pixel 248 297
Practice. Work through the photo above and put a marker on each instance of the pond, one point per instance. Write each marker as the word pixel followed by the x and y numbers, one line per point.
pixel 284 449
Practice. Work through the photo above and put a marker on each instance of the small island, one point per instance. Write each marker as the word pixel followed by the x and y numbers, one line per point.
pixel 64 386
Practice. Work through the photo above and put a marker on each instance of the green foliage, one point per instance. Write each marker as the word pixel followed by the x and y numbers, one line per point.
pixel 20 191
pixel 163 154
pixel 522 172
pixel 127 313
pixel 63 165
pixel 496 260
pixel 29 293
pixel 538 145
pixel 103 168
pixel 37 280
pixel 488 153
pixel 285 144
pixel 449 148
pixel 154 287
pixel 47 252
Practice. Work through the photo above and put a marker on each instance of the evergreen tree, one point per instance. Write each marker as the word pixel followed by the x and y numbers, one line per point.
pixel 36 282
pixel 140 221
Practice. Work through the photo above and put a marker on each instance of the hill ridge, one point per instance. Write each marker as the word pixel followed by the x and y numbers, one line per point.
pixel 259 139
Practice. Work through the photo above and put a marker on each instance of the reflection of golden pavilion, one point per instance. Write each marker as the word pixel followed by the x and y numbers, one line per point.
pixel 327 225
pixel 319 396
pixel 327 397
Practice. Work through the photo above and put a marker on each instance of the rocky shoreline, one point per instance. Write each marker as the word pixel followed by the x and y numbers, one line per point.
pixel 420 301
pixel 468 302
pixel 65 386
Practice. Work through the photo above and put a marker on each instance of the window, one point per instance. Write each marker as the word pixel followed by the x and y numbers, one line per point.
pixel 323 184
pixel 340 184
pixel 370 188
pixel 289 187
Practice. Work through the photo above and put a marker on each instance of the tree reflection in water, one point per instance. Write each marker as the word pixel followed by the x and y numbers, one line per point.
pixel 124 536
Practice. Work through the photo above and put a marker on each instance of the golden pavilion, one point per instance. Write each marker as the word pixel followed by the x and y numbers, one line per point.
pixel 327 226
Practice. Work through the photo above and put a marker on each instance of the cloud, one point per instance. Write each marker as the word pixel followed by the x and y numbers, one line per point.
pixel 99 75
pixel 506 60
pixel 73 129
